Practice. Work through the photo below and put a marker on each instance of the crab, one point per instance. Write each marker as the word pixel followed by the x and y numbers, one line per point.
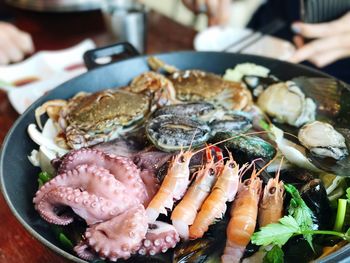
pixel 197 85
pixel 88 119
pixel 91 118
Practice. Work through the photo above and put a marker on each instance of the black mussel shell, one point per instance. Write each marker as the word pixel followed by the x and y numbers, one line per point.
pixel 326 92
pixel 315 196
pixel 245 148
pixel 297 249
pixel 206 249
pixel 297 177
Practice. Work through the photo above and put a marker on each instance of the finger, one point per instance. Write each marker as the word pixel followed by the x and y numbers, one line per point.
pixel 224 11
pixel 338 26
pixel 323 59
pixel 212 6
pixel 316 46
pixel 4 60
pixel 10 50
pixel 18 38
pixel 298 41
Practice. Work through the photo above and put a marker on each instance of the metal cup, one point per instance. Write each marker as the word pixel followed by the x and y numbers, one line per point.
pixel 126 21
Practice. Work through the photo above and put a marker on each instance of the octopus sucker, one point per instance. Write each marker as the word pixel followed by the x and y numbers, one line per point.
pixel 112 239
pixel 122 168
pixel 84 251
pixel 159 238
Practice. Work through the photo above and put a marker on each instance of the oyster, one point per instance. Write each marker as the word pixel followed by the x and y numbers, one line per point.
pixel 323 140
pixel 287 103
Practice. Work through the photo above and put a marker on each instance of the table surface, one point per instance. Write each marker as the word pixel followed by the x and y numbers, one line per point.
pixel 53 32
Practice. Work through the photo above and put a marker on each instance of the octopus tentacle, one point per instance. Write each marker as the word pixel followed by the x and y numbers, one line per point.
pixel 84 251
pixel 120 236
pixel 92 179
pixel 90 207
pixel 122 168
pixel 159 238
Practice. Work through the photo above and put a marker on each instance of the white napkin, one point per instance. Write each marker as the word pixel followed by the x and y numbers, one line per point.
pixel 52 68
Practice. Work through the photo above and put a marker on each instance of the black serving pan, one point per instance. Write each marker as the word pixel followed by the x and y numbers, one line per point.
pixel 19 178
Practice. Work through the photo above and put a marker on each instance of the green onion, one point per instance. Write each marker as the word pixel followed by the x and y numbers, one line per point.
pixel 339 220
pixel 65 241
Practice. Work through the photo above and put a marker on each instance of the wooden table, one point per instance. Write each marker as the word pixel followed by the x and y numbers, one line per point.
pixel 57 31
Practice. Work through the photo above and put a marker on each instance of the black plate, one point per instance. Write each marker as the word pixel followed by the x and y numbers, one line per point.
pixel 18 177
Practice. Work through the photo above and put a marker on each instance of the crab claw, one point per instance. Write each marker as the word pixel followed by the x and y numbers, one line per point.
pixel 52 108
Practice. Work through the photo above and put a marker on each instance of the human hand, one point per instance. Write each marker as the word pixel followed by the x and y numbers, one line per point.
pixel 14 44
pixel 218 11
pixel 332 41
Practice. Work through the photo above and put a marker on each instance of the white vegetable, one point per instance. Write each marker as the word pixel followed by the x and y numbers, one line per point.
pixel 237 73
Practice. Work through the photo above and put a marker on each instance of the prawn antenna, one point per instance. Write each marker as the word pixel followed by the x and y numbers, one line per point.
pixel 266 165
pixel 279 169
pixel 192 139
pixel 234 137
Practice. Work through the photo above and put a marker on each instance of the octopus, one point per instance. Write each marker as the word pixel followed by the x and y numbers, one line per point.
pixel 159 238
pixel 110 193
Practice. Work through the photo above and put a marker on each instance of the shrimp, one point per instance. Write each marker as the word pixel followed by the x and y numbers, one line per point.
pixel 185 212
pixel 271 205
pixel 173 186
pixel 244 213
pixel 214 206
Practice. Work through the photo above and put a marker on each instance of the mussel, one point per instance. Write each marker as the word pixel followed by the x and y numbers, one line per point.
pixel 315 196
pixel 245 148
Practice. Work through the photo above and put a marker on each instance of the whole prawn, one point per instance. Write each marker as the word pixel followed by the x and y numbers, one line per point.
pixel 243 219
pixel 185 212
pixel 271 205
pixel 214 205
pixel 173 186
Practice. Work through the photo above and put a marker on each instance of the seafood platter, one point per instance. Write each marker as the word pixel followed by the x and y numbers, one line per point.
pixel 186 157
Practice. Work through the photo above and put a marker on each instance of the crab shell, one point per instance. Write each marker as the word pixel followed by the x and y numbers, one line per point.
pixel 89 119
pixel 196 85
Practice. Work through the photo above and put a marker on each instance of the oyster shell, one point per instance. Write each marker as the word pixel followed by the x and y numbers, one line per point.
pixel 323 140
pixel 287 103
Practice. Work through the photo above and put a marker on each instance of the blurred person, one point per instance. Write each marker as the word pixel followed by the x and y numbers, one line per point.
pixel 328 49
pixel 14 44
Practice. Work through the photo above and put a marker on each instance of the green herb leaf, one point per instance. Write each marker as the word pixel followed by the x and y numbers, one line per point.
pixel 264 125
pixel 301 212
pixel 340 217
pixel 347 235
pixel 348 194
pixel 44 177
pixel 275 255
pixel 65 241
pixel 276 233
